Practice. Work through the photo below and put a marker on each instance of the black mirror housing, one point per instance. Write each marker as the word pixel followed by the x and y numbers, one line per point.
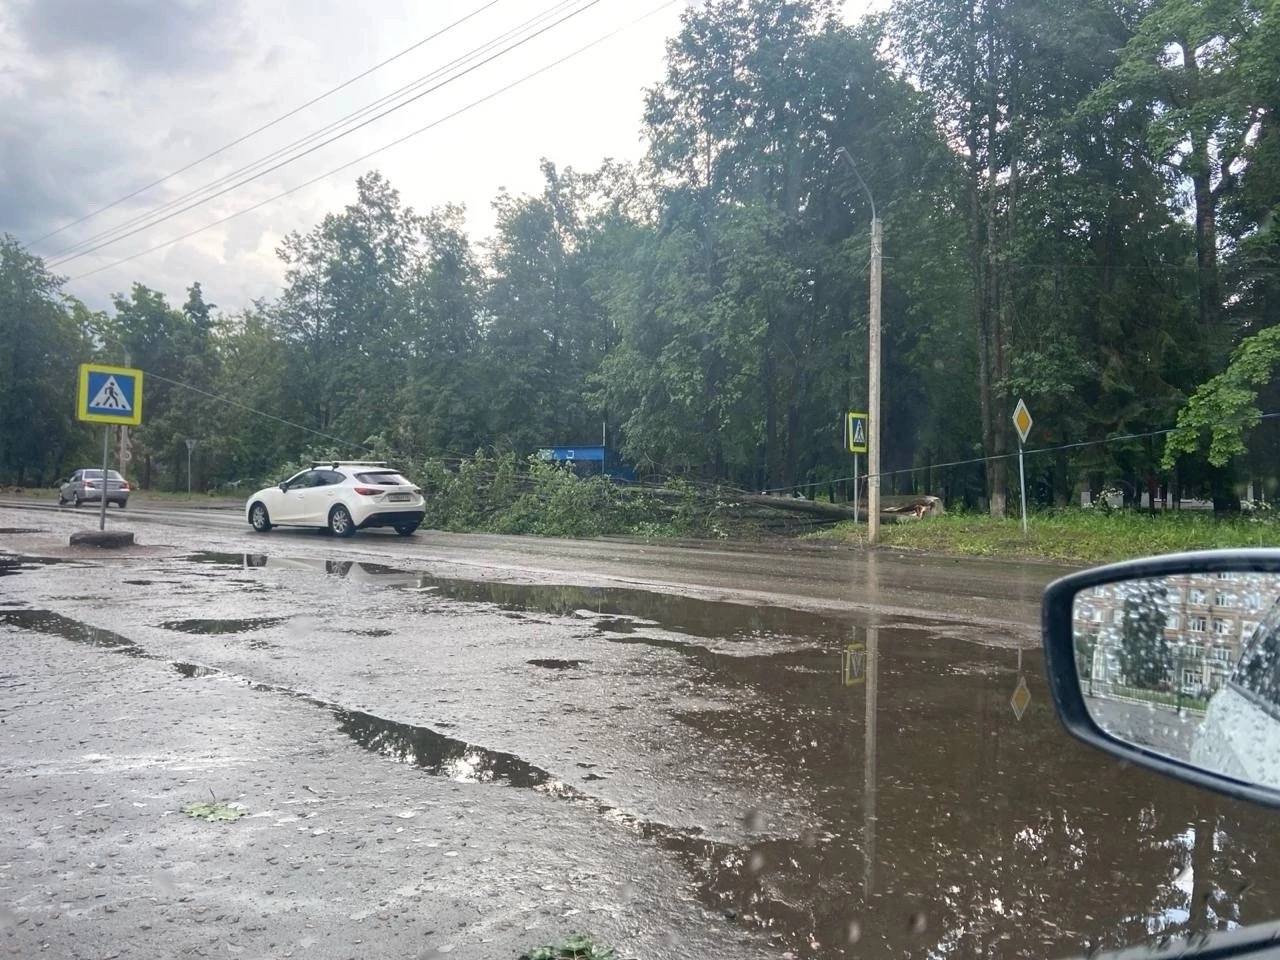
pixel 1058 619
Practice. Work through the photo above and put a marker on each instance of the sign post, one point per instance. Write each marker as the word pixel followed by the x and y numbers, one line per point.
pixel 191 445
pixel 1022 422
pixel 110 396
pixel 855 441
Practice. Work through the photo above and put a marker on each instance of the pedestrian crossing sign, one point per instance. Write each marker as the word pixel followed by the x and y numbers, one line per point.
pixel 855 432
pixel 110 395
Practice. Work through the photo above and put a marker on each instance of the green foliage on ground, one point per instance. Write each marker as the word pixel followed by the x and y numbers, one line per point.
pixel 575 947
pixel 1070 535
pixel 500 493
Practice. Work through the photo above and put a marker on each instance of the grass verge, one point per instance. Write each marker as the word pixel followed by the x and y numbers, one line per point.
pixel 1070 536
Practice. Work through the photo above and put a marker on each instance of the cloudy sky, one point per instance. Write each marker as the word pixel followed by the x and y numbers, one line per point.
pixel 101 97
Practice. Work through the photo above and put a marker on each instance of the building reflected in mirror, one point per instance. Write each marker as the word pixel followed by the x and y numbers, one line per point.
pixel 1187 666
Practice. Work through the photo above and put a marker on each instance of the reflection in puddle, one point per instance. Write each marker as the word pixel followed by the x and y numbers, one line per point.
pixel 222 626
pixel 45 621
pixel 237 561
pixel 194 671
pixel 11 564
pixel 609 609
pixel 552 664
pixel 438 754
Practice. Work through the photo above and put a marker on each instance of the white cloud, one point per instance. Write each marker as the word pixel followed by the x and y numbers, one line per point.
pixel 98 99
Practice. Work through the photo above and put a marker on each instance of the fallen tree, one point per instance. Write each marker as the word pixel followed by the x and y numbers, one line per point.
pixel 893 508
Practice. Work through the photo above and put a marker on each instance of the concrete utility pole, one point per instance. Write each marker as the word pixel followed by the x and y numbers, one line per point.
pixel 873 386
pixel 873 365
pixel 191 445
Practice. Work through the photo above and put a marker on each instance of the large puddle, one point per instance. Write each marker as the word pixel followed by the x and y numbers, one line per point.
pixel 618 610
pixel 939 822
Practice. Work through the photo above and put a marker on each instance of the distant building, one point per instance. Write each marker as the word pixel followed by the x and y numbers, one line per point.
pixel 1208 619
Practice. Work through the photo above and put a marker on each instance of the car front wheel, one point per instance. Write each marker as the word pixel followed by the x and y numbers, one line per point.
pixel 259 518
pixel 340 522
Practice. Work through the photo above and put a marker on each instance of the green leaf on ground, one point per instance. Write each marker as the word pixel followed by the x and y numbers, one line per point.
pixel 214 810
pixel 575 947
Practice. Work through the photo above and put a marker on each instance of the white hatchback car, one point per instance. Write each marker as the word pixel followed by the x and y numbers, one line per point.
pixel 342 495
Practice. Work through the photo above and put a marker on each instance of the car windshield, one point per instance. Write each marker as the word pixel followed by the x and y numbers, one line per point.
pixel 384 478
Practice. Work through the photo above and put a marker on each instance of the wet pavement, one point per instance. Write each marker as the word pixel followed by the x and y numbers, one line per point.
pixel 681 753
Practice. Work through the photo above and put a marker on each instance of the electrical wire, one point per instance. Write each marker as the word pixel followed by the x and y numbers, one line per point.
pixel 270 123
pixel 71 252
pixel 312 149
pixel 394 143
pixel 261 413
pixel 1000 456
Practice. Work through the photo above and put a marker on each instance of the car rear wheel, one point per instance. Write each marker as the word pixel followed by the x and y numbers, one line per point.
pixel 406 529
pixel 340 522
pixel 259 518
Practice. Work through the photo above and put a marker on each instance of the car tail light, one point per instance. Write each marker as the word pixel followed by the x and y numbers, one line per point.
pixel 90 485
pixel 124 485
pixel 368 491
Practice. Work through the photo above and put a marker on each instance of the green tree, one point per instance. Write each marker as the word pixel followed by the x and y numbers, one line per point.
pixel 1225 407
pixel 545 333
pixel 1145 657
pixel 43 338
pixel 1202 71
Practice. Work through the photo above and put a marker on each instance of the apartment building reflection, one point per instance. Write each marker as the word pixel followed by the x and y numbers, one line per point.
pixel 1204 619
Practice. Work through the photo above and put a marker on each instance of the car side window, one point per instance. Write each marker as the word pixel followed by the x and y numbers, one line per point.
pixel 329 477
pixel 75 476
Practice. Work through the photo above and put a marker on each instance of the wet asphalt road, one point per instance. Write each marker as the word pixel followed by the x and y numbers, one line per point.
pixel 468 745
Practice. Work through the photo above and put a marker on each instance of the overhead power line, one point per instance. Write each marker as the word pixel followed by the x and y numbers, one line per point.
pixel 270 123
pixel 386 146
pixel 323 143
pixel 117 231
pixel 1030 451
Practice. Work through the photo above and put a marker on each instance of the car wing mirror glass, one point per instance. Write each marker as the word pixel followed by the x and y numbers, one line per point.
pixel 1173 664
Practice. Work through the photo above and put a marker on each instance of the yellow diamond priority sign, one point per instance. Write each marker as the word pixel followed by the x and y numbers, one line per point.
pixel 1022 420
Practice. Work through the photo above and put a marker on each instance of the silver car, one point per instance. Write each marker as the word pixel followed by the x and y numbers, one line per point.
pixel 85 486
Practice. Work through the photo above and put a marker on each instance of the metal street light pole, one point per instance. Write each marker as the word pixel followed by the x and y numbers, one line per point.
pixel 873 364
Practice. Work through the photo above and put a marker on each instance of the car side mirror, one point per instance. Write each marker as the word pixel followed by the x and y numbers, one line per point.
pixel 284 486
pixel 1173 664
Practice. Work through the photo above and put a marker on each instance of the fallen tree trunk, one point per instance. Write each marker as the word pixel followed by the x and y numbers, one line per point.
pixel 892 508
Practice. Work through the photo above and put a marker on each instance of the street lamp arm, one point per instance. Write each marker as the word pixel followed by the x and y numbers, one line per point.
pixel 865 189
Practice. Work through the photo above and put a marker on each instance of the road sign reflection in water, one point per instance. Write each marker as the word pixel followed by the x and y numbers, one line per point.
pixel 853 664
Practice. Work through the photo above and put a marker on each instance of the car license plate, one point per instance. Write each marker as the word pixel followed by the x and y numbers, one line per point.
pixel 399 497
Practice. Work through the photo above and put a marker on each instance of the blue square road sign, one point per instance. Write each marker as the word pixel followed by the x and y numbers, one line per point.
pixel 110 395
